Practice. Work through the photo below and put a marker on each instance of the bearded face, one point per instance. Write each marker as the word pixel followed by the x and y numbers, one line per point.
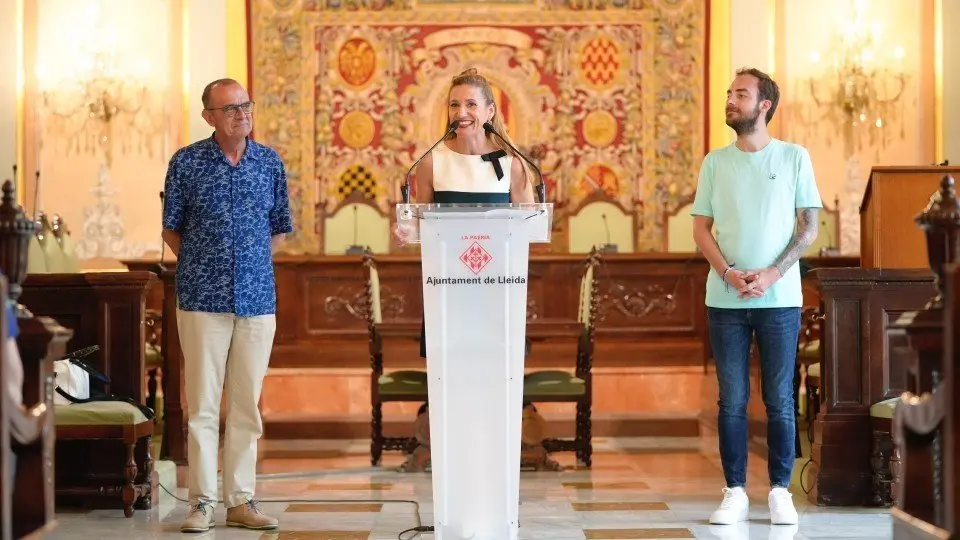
pixel 742 121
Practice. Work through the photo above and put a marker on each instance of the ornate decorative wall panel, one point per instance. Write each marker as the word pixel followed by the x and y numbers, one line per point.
pixel 607 95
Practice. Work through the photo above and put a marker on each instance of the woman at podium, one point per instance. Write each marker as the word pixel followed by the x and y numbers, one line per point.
pixel 474 163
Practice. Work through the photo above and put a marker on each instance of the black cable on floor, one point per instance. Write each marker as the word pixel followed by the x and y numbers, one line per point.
pixel 805 490
pixel 420 528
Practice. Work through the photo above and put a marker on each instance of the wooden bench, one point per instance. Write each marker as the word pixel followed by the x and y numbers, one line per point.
pixel 26 433
pixel 926 420
pixel 925 431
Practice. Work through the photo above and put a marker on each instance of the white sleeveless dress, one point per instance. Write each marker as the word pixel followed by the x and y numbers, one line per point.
pixel 468 179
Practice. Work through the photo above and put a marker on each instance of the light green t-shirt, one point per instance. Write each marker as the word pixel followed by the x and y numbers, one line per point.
pixel 753 199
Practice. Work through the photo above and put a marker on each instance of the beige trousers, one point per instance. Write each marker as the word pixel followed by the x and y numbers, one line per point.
pixel 222 348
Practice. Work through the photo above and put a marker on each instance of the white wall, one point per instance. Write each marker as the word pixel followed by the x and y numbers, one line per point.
pixel 751 39
pixel 951 81
pixel 207 56
pixel 8 87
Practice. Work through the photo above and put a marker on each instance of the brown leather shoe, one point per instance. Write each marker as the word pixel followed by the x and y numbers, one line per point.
pixel 248 515
pixel 199 518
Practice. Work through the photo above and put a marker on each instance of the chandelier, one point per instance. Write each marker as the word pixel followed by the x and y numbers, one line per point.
pixel 102 103
pixel 859 90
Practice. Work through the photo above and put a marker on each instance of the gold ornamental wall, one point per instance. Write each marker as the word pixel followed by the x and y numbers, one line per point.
pixel 608 96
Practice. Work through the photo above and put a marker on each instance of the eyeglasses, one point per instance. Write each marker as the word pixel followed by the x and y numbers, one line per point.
pixel 233 110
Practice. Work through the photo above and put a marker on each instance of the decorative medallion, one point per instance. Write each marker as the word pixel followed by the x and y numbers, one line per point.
pixel 600 177
pixel 599 128
pixel 357 129
pixel 357 62
pixel 600 61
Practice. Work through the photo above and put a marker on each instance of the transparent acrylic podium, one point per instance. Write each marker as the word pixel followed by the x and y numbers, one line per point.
pixel 474 260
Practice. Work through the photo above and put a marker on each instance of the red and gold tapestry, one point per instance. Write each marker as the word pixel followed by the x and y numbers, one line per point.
pixel 607 95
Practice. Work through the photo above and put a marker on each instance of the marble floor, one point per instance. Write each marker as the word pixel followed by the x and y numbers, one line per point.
pixel 637 488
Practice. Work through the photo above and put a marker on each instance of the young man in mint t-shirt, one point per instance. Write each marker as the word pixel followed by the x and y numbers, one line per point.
pixel 760 195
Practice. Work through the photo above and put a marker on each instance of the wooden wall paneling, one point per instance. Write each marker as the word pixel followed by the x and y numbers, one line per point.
pixel 102 308
pixel 857 371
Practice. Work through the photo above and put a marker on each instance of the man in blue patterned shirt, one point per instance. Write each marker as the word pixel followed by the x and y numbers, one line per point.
pixel 226 207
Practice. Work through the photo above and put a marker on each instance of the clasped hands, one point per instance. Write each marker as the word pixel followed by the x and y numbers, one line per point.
pixel 751 283
pixel 403 233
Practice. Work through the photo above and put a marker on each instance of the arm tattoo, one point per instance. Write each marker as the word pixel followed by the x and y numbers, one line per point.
pixel 805 235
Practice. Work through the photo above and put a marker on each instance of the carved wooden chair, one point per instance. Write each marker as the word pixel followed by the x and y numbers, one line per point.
pixel 576 387
pixel 884 455
pixel 678 229
pixel 809 355
pixel 356 220
pixel 153 359
pixel 598 220
pixel 396 386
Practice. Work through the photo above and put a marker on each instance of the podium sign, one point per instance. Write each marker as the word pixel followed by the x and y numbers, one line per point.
pixel 475 262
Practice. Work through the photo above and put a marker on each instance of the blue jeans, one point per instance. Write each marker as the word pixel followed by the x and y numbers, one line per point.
pixel 776 331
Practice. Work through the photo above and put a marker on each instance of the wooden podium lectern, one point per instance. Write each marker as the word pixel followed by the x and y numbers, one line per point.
pixel 889 237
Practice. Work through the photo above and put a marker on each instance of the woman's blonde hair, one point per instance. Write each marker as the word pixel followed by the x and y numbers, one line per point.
pixel 473 78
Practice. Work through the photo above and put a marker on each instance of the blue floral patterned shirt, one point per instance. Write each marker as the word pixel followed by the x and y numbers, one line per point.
pixel 226 216
pixel 13 328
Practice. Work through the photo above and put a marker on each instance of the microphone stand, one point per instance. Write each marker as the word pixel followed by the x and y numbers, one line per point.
pixel 405 188
pixel 355 249
pixel 540 188
pixel 608 247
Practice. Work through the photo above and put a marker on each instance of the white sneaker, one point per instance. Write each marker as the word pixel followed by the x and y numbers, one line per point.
pixel 734 508
pixel 782 511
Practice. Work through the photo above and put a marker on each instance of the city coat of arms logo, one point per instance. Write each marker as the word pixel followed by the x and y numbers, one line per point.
pixel 475 258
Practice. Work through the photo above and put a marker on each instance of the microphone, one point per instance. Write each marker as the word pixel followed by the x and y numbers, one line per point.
pixel 159 268
pixel 608 247
pixel 355 249
pixel 540 188
pixel 405 188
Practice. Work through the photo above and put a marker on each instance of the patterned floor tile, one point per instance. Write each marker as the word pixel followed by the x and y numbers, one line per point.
pixel 619 506
pixel 367 507
pixel 629 534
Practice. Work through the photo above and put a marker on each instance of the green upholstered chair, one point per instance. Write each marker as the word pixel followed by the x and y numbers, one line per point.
pixel 602 217
pixel 112 439
pixel 573 386
pixel 153 364
pixel 884 457
pixel 355 220
pixel 398 386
